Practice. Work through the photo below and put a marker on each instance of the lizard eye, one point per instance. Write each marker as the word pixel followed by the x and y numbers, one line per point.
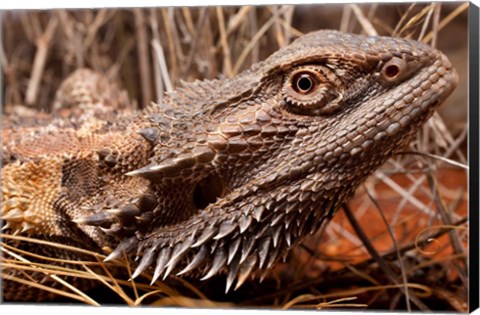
pixel 310 90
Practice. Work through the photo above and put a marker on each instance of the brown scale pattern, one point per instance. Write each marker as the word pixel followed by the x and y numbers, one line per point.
pixel 227 175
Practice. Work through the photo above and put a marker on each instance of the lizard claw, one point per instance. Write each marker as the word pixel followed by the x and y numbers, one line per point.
pixel 102 219
pixel 124 220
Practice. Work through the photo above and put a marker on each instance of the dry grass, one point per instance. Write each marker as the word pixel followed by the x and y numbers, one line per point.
pixel 405 229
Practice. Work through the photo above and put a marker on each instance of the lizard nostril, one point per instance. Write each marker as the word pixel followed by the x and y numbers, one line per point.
pixel 391 71
pixel 207 191
pixel 395 69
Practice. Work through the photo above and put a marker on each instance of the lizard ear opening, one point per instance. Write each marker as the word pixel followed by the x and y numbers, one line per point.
pixel 207 191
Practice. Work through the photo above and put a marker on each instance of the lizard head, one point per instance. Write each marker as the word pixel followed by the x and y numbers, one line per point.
pixel 242 168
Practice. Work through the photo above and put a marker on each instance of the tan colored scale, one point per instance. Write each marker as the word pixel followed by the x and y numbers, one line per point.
pixel 28 193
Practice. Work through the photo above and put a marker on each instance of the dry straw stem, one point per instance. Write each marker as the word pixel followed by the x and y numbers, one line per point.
pixel 227 60
pixel 335 303
pixel 196 38
pixel 143 55
pixel 43 43
pixel 157 55
pixel 422 291
pixel 55 271
pixel 177 57
pixel 383 265
pixel 366 24
pixel 447 219
pixel 449 18
pixel 255 38
pixel 102 17
pixel 395 244
pixel 80 295
pixel 412 23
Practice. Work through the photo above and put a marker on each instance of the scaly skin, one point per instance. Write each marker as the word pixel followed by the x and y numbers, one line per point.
pixel 227 175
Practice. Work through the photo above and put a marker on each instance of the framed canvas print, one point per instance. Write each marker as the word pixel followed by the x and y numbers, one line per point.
pixel 300 156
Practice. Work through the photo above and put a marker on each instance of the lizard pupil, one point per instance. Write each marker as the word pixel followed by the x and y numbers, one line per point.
pixel 304 83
